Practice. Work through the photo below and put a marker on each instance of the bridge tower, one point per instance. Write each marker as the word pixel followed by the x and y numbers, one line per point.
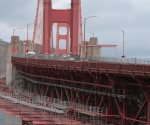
pixel 65 37
pixel 70 17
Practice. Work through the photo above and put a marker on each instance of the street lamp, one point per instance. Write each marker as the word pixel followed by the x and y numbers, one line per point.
pixel 24 46
pixel 91 33
pixel 85 19
pixel 28 29
pixel 13 41
pixel 28 35
pixel 123 54
pixel 16 29
pixel 123 41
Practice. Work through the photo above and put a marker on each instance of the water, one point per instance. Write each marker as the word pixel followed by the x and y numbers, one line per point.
pixel 1 118
pixel 7 119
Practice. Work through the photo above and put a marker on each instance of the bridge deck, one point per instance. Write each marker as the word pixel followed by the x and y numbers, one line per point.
pixel 121 67
pixel 96 89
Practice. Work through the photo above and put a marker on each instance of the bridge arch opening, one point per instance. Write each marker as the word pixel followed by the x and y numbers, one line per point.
pixel 62 44
pixel 54 30
pixel 62 31
pixel 61 4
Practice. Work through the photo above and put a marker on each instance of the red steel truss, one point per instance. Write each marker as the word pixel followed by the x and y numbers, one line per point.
pixel 103 91
pixel 70 17
pixel 60 37
pixel 27 108
pixel 97 92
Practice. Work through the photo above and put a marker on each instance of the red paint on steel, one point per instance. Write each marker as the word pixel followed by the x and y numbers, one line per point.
pixel 69 80
pixel 70 17
pixel 2 81
pixel 103 67
pixel 60 37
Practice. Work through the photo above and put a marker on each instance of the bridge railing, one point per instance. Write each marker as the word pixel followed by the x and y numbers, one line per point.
pixel 120 60
pixel 116 60
pixel 114 65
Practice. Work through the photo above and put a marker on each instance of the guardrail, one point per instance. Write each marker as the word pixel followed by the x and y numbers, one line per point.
pixel 145 61
pixel 137 67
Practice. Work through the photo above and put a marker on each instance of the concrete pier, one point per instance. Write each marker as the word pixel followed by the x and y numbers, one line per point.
pixel 9 66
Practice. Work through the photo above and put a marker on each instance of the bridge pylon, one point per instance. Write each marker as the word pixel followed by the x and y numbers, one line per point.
pixel 60 37
pixel 68 16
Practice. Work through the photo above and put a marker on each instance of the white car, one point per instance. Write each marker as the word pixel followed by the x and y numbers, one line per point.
pixel 31 53
pixel 64 56
pixel 71 59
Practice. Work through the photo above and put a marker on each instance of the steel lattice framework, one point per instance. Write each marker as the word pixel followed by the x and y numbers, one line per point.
pixel 45 18
pixel 108 92
pixel 65 37
pixel 97 91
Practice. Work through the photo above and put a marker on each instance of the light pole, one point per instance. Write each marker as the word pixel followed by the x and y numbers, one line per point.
pixel 91 33
pixel 28 29
pixel 13 40
pixel 27 45
pixel 123 32
pixel 85 19
pixel 123 41
pixel 16 29
pixel 24 46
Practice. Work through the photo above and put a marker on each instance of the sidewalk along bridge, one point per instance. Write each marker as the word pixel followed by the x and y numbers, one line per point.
pixel 103 90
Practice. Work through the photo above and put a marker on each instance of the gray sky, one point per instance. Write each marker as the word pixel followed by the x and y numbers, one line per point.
pixel 131 15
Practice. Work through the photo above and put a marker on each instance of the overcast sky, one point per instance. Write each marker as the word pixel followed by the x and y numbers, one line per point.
pixel 133 16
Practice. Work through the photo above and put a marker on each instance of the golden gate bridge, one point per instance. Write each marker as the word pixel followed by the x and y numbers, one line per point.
pixel 47 89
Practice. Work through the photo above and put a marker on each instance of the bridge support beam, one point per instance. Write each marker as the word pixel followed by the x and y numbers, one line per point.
pixel 60 37
pixel 87 89
pixel 70 17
